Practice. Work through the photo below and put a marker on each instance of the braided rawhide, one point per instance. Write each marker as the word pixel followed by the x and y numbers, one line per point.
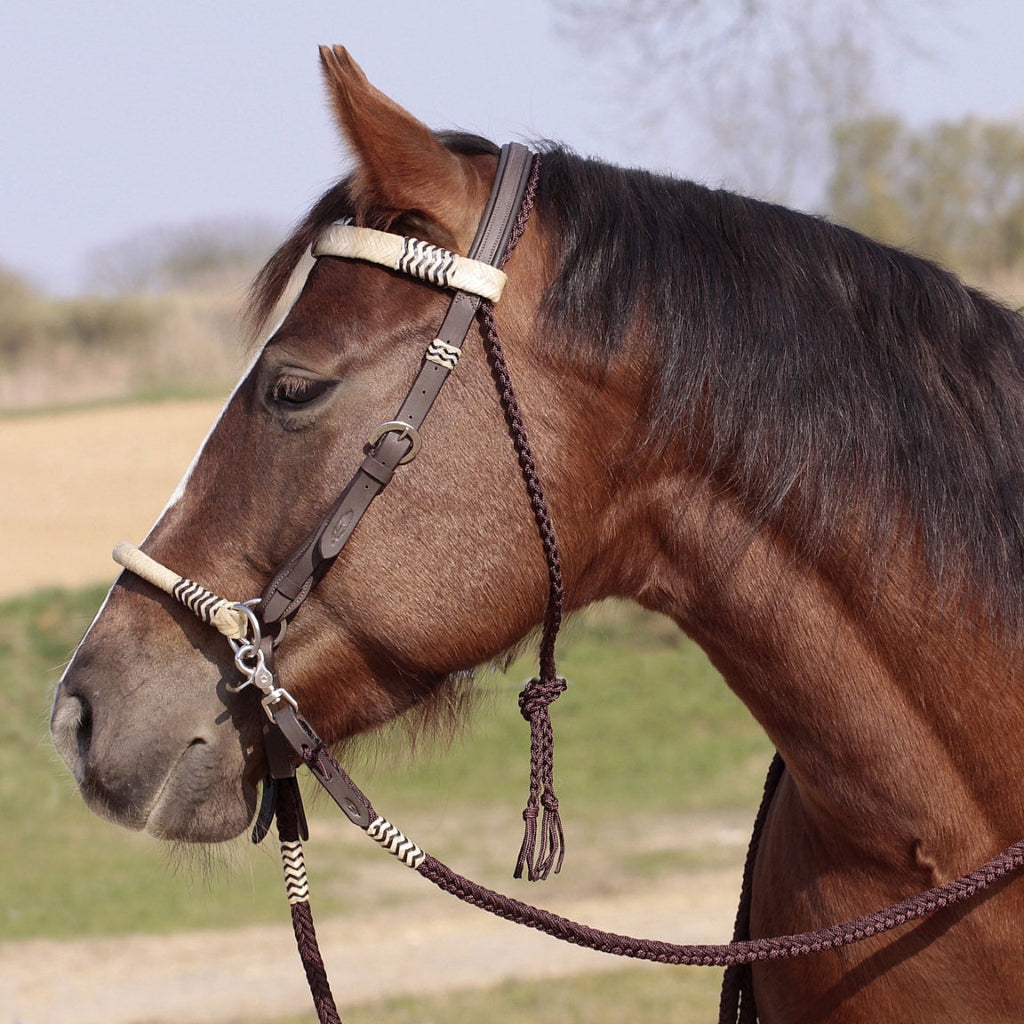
pixel 419 259
pixel 215 611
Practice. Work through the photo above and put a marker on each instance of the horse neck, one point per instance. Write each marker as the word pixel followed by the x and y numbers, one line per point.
pixel 896 707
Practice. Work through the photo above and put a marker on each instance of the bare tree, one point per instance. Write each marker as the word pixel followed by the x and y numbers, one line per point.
pixel 954 190
pixel 181 256
pixel 763 82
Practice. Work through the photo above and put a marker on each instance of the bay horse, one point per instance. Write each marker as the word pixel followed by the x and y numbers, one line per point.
pixel 803 446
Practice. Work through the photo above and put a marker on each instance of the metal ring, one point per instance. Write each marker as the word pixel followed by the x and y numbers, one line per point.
pixel 405 431
pixel 247 609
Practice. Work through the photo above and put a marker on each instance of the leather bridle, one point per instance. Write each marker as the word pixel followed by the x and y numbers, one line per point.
pixel 396 441
pixel 256 628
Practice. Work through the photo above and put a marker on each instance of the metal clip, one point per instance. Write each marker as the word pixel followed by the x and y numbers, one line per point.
pixel 275 697
pixel 249 657
pixel 252 664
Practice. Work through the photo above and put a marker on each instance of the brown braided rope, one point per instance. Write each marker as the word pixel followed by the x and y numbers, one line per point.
pixel 543 846
pixel 745 951
pixel 289 831
pixel 737 1005
pixel 727 955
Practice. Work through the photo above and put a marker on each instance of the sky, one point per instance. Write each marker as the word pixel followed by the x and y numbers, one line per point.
pixel 117 117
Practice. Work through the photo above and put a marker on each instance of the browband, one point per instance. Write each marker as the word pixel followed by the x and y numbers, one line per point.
pixel 428 262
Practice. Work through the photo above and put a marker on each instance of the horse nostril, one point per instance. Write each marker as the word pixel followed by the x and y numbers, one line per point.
pixel 83 736
pixel 71 727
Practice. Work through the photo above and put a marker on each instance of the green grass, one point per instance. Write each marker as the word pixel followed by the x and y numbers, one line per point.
pixel 684 995
pixel 65 871
pixel 645 727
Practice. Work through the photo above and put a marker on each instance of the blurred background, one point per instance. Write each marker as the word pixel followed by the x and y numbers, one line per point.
pixel 151 157
pixel 153 153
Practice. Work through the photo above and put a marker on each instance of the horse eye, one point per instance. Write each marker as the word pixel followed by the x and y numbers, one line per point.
pixel 291 390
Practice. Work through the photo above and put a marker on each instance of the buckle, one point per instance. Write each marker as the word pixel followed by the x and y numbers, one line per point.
pixel 405 432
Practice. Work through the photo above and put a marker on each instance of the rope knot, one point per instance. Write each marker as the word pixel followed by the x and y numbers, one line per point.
pixel 534 702
pixel 538 694
pixel 314 758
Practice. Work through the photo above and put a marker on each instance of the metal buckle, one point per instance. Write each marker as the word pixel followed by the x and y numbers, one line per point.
pixel 405 432
pixel 275 697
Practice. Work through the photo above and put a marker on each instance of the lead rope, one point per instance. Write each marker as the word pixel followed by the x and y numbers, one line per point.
pixel 746 951
pixel 290 829
pixel 541 817
pixel 737 1004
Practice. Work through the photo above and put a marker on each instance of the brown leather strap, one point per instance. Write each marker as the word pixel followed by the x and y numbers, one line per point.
pixel 311 559
pixel 307 745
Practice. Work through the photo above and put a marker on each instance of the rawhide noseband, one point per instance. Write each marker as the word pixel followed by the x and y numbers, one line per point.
pixel 255 628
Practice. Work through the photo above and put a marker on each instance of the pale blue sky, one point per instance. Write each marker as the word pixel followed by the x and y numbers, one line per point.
pixel 117 116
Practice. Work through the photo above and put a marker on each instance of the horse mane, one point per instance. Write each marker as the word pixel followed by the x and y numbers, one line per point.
pixel 805 369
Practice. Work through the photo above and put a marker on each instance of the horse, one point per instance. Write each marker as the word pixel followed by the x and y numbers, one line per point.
pixel 801 445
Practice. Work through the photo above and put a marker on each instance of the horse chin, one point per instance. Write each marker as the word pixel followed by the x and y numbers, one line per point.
pixel 196 804
pixel 199 798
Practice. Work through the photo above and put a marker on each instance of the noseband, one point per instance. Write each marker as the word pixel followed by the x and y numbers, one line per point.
pixel 256 628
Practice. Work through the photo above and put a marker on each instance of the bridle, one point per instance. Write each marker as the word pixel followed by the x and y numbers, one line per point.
pixel 256 628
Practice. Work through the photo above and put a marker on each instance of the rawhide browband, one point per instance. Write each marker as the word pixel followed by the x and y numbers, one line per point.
pixel 428 262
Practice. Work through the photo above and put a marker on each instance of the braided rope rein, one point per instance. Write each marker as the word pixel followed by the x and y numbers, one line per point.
pixel 745 951
pixel 706 955
pixel 541 816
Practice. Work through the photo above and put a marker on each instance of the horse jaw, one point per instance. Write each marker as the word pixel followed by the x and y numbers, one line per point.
pixel 188 777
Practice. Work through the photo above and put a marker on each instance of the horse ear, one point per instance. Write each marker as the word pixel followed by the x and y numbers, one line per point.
pixel 401 167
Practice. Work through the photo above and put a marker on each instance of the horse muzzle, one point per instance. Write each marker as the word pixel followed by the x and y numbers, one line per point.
pixel 150 751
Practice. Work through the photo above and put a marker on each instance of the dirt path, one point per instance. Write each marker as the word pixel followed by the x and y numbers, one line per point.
pixel 71 486
pixel 253 974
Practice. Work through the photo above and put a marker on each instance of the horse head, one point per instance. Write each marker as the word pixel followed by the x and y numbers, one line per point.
pixel 802 445
pixel 444 573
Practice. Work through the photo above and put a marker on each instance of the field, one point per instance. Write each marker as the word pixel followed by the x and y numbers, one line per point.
pixel 658 768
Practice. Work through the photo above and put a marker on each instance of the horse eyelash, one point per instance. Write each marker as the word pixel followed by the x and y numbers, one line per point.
pixel 293 390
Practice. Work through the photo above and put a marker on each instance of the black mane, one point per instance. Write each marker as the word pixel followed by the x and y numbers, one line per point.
pixel 807 369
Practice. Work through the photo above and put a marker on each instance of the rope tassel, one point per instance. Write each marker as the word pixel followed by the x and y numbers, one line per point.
pixel 539 861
